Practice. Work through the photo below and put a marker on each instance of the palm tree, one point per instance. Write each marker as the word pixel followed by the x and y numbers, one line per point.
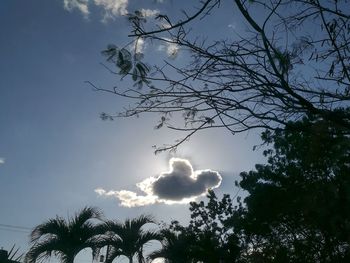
pixel 176 247
pixel 128 238
pixel 65 238
pixel 11 256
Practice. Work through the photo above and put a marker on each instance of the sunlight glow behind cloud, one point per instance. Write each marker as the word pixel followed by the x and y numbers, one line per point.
pixel 181 184
pixel 2 161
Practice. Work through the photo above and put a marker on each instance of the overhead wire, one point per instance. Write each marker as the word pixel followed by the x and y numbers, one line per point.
pixel 14 228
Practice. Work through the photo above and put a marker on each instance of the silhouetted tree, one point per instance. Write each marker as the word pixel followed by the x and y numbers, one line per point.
pixel 65 238
pixel 11 256
pixel 176 247
pixel 128 238
pixel 297 204
pixel 208 238
pixel 211 223
pixel 277 71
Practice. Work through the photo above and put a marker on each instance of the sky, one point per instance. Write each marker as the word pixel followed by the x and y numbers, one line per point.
pixel 57 155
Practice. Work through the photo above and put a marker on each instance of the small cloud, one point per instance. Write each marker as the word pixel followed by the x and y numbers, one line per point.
pixel 2 161
pixel 139 45
pixel 181 184
pixel 171 48
pixel 81 5
pixel 233 26
pixel 112 8
pixel 149 12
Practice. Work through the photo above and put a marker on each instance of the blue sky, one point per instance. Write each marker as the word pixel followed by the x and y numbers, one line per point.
pixel 54 149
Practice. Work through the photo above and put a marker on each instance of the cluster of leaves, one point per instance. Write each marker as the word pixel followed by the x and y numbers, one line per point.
pixel 128 64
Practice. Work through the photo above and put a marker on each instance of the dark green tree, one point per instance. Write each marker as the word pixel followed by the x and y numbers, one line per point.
pixel 208 238
pixel 11 256
pixel 65 238
pixel 128 238
pixel 211 223
pixel 297 204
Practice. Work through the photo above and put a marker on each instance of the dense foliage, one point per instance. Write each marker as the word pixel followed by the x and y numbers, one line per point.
pixel 296 207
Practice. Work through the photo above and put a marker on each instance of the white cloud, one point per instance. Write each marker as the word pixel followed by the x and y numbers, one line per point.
pixel 171 48
pixel 233 26
pixel 2 161
pixel 112 8
pixel 177 186
pixel 81 5
pixel 149 12
pixel 139 45
pixel 127 198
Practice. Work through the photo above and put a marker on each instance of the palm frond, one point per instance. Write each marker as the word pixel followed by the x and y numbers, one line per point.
pixel 83 216
pixel 113 226
pixel 56 226
pixel 113 254
pixel 140 256
pixel 67 238
pixel 13 254
pixel 43 250
pixel 160 253
pixel 139 222
pixel 128 237
pixel 147 236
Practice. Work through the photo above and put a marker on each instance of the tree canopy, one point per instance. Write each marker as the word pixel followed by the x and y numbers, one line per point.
pixel 296 204
pixel 277 71
pixel 65 238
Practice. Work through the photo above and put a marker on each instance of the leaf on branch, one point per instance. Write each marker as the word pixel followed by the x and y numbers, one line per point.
pixel 106 117
pixel 209 120
pixel 134 74
pixel 331 70
pixel 110 52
